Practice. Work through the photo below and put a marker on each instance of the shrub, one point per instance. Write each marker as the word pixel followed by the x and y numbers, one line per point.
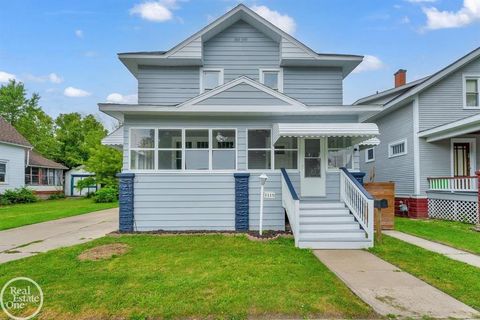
pixel 107 194
pixel 19 195
pixel 56 196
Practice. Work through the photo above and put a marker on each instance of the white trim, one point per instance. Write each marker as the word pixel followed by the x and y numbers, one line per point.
pixel 5 162
pixel 466 77
pixel 366 155
pixel 261 78
pixel 472 155
pixel 272 158
pixel 452 129
pixel 416 146
pixel 394 143
pixel 220 80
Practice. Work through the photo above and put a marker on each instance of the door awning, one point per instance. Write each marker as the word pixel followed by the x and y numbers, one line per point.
pixel 359 131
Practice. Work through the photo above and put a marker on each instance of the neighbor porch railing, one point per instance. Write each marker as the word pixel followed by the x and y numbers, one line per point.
pixel 454 184
pixel 291 204
pixel 358 201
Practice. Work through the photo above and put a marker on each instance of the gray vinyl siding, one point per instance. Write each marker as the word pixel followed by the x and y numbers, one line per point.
pixel 394 126
pixel 14 158
pixel 243 94
pixel 167 85
pixel 314 86
pixel 241 50
pixel 443 102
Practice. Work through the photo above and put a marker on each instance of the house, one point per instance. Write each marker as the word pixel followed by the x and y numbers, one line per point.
pixel 21 166
pixel 237 99
pixel 430 137
pixel 73 176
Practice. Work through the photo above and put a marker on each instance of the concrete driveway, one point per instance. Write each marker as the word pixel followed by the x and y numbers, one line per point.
pixel 41 237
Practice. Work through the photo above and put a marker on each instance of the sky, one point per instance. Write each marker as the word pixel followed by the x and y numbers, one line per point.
pixel 66 50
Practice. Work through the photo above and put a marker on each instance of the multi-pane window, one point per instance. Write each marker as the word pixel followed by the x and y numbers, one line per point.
pixel 259 149
pixel 340 153
pixel 397 148
pixel 142 149
pixel 211 78
pixel 3 172
pixel 169 149
pixel 196 150
pixel 286 153
pixel 43 176
pixel 271 78
pixel 472 92
pixel 223 149
pixel 369 154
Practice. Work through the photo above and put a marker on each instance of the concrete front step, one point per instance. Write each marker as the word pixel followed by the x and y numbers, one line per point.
pixel 327 218
pixel 322 212
pixel 337 243
pixel 332 234
pixel 352 225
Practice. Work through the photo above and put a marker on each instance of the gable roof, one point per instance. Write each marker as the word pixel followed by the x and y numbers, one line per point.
pixel 10 135
pixel 35 159
pixel 410 94
pixel 189 51
pixel 240 86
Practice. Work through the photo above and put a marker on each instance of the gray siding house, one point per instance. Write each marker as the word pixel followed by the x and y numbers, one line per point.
pixel 237 99
pixel 430 137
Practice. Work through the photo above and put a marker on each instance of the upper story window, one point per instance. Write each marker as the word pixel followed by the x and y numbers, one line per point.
pixel 272 78
pixel 3 172
pixel 398 148
pixel 370 154
pixel 472 85
pixel 210 79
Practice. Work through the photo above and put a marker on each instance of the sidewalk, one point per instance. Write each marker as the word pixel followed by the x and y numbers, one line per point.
pixel 452 253
pixel 390 291
pixel 29 240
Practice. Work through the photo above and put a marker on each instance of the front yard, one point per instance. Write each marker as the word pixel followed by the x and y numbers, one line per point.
pixel 455 234
pixel 455 278
pixel 214 276
pixel 18 215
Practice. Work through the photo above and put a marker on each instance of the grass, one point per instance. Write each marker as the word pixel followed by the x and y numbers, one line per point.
pixel 455 278
pixel 214 276
pixel 455 234
pixel 23 214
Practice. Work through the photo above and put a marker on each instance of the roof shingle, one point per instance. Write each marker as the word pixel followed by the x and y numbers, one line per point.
pixel 9 134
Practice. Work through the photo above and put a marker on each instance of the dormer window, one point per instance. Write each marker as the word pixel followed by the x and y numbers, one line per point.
pixel 210 79
pixel 272 78
pixel 472 85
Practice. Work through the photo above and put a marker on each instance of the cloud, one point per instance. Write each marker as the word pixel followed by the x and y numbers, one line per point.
pixel 467 14
pixel 52 77
pixel 75 92
pixel 5 76
pixel 283 21
pixel 119 98
pixel 156 11
pixel 55 78
pixel 369 63
pixel 421 1
pixel 79 33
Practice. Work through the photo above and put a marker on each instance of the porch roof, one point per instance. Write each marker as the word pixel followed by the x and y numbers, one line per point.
pixel 453 129
pixel 360 131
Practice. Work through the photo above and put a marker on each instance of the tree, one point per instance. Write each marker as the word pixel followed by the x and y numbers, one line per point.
pixel 105 162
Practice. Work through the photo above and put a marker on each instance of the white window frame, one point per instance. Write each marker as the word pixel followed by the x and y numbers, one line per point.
pixel 367 160
pixel 154 149
pixel 473 153
pixel 221 82
pixel 5 162
pixel 183 170
pixel 464 86
pixel 272 158
pixel 391 144
pixel 280 76
pixel 298 155
pixel 336 149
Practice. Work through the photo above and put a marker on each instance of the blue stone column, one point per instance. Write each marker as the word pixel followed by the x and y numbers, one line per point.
pixel 241 201
pixel 126 195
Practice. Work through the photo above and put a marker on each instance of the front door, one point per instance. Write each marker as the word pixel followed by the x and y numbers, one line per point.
pixel 463 157
pixel 312 167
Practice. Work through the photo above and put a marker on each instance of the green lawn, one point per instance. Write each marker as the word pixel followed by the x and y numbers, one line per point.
pixel 214 276
pixel 22 214
pixel 455 234
pixel 455 278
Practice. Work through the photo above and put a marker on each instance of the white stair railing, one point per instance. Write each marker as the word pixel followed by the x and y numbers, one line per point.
pixel 358 201
pixel 291 204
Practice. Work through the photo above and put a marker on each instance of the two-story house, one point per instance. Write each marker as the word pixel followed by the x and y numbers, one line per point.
pixel 430 137
pixel 238 99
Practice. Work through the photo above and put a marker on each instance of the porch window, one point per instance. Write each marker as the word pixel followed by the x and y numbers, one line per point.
pixel 223 149
pixel 398 148
pixel 43 177
pixel 3 172
pixel 272 78
pixel 286 153
pixel 169 149
pixel 142 154
pixel 259 149
pixel 196 150
pixel 340 153
pixel 472 92
pixel 370 155
pixel 211 78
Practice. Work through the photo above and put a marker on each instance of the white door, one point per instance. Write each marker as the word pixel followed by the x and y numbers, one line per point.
pixel 312 167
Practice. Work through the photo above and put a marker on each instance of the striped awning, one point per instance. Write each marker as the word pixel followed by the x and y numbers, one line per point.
pixel 361 132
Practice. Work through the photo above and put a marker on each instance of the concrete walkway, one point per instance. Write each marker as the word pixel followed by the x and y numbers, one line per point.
pixel 388 290
pixel 41 237
pixel 452 253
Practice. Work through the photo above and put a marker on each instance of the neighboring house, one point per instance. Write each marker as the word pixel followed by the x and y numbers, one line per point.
pixel 21 166
pixel 237 99
pixel 430 137
pixel 72 177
